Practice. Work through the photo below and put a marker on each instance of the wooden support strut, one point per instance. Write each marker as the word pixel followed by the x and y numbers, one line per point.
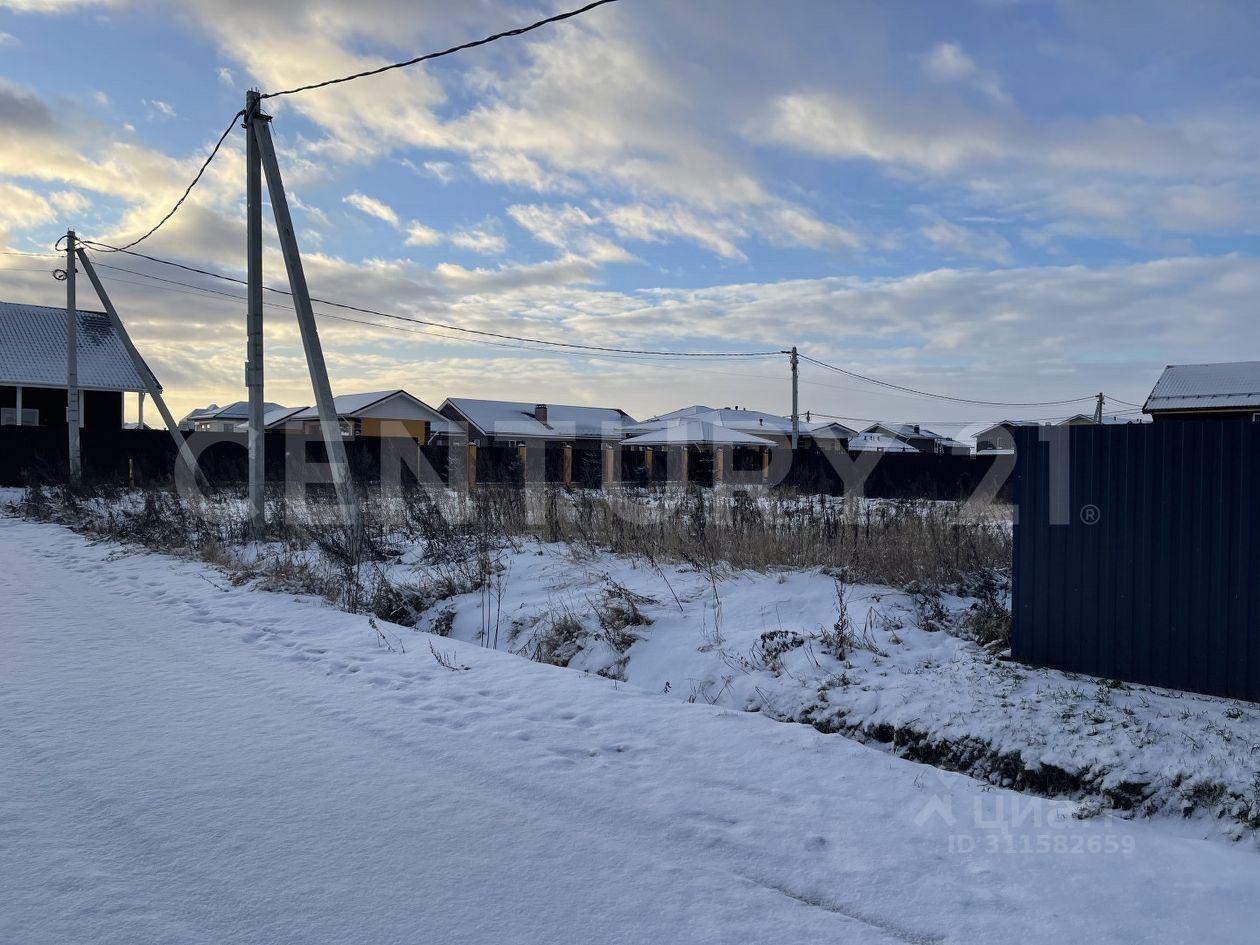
pixel 150 382
pixel 328 424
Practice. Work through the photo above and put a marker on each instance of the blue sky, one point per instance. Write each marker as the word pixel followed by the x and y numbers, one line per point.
pixel 1011 201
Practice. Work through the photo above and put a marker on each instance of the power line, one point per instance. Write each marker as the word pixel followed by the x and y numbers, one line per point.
pixel 358 75
pixel 172 284
pixel 191 289
pixel 445 52
pixel 187 190
pixel 443 325
pixel 960 400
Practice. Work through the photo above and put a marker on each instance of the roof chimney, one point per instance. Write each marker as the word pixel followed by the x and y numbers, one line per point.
pixel 540 413
pixel 916 428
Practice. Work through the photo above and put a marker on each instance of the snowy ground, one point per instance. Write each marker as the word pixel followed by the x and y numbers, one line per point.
pixel 759 641
pixel 182 760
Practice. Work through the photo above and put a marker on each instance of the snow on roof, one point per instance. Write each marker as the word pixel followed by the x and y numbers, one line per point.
pixel 200 413
pixel 829 428
pixel 271 418
pixel 279 415
pixel 680 413
pixel 1206 386
pixel 905 429
pixel 348 405
pixel 1089 418
pixel 238 410
pixel 685 432
pixel 879 442
pixel 33 349
pixel 754 421
pixel 516 418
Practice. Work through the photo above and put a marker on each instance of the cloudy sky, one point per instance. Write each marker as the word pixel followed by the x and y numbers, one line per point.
pixel 998 200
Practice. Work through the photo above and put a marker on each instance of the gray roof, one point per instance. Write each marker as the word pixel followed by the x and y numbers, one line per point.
pixel 33 349
pixel 1206 387
pixel 905 429
pixel 750 421
pixel 275 417
pixel 692 431
pixel 350 405
pixel 506 418
pixel 238 410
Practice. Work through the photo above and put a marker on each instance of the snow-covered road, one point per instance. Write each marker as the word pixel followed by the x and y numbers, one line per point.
pixel 182 761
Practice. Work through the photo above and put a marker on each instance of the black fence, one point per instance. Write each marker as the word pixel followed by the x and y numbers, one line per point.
pixel 37 454
pixel 1137 553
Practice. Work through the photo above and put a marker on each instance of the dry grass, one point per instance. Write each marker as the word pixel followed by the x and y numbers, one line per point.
pixel 922 546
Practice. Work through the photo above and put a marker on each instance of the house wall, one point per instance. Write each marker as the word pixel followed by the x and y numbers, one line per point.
pixel 373 426
pixel 102 409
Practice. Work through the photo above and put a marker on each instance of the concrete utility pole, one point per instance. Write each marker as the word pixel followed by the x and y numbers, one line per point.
pixel 1098 410
pixel 331 429
pixel 796 418
pixel 150 382
pixel 254 320
pixel 72 363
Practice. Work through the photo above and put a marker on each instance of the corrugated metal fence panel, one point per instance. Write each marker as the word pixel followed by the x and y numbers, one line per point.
pixel 1137 553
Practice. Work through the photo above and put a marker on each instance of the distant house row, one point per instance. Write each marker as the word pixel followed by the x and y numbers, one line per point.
pixel 515 424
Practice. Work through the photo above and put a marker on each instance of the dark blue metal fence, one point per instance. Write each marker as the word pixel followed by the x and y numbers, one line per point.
pixel 1137 553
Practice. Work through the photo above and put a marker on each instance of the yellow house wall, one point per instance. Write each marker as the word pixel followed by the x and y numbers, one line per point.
pixel 372 426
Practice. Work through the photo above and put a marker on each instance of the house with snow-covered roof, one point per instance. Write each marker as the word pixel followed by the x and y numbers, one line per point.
pixel 519 423
pixel 374 414
pixel 905 438
pixel 216 419
pixel 33 383
pixel 1224 391
pixel 775 427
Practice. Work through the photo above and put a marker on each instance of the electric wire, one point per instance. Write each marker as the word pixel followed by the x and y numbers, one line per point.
pixel 935 396
pixel 520 30
pixel 448 327
pixel 185 286
pixel 187 190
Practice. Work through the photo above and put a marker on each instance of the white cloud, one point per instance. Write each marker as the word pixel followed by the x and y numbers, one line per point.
pixel 653 224
pixel 373 208
pixel 420 235
pixel 568 228
pixel 442 171
pixel 479 239
pixel 954 239
pixel 797 226
pixel 69 202
pixel 948 62
pixel 829 125
pixel 160 109
pixel 226 77
pixel 8 39
pixel 22 208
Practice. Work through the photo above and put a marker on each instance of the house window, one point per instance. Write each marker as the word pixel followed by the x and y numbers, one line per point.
pixel 1255 417
pixel 348 428
pixel 9 417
